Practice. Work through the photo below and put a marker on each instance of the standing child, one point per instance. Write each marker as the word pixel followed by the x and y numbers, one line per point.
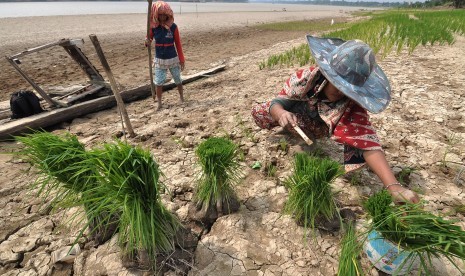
pixel 168 48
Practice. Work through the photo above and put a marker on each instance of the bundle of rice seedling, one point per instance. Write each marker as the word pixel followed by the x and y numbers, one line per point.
pixel 220 172
pixel 420 233
pixel 349 263
pixel 130 179
pixel 310 194
pixel 67 178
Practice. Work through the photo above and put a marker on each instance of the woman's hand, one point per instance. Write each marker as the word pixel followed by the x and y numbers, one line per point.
pixel 287 119
pixel 147 42
pixel 401 194
pixel 182 66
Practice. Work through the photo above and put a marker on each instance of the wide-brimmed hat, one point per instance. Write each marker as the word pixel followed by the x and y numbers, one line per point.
pixel 351 67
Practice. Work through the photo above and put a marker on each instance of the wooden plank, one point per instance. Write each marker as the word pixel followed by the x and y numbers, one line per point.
pixel 62 42
pixel 36 49
pixel 49 118
pixel 78 56
pixel 71 99
pixel 72 42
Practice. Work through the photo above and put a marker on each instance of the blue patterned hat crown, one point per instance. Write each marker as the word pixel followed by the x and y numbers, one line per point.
pixel 351 67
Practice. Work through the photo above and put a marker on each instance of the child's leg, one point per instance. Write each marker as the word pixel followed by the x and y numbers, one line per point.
pixel 159 80
pixel 159 90
pixel 176 73
pixel 181 90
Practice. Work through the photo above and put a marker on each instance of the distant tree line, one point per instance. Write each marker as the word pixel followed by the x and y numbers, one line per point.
pixel 401 4
pixel 436 3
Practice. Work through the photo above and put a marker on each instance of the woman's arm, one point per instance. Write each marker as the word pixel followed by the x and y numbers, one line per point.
pixel 282 116
pixel 377 162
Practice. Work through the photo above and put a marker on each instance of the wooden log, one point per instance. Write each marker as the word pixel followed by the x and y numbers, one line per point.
pixel 53 117
pixel 114 86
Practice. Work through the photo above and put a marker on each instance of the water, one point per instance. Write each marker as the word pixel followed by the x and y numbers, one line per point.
pixel 24 9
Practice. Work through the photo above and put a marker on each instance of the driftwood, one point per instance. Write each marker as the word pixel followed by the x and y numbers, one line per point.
pixel 49 118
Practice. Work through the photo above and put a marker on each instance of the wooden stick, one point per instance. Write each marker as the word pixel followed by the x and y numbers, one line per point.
pixel 302 134
pixel 149 49
pixel 114 86
pixel 36 87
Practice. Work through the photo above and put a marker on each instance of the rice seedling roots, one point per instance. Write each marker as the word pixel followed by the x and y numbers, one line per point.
pixel 180 260
pixel 208 215
pixel 101 233
pixel 333 225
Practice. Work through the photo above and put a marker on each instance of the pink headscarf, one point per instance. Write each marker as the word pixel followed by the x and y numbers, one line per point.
pixel 158 8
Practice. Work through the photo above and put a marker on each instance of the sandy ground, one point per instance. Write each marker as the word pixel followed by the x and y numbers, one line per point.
pixel 422 130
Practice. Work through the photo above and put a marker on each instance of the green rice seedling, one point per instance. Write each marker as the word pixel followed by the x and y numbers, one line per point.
pixel 386 31
pixel 349 262
pixel 66 175
pixel 271 170
pixel 180 141
pixel 283 144
pixel 318 151
pixel 355 178
pixel 59 162
pixel 245 130
pixel 422 234
pixel 404 175
pixel 218 158
pixel 130 180
pixel 451 141
pixel 310 194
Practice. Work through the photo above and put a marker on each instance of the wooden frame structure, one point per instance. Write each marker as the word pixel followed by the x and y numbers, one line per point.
pixel 71 47
pixel 70 109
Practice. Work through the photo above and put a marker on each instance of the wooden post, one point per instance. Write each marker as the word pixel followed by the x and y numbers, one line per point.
pixel 149 49
pixel 114 87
